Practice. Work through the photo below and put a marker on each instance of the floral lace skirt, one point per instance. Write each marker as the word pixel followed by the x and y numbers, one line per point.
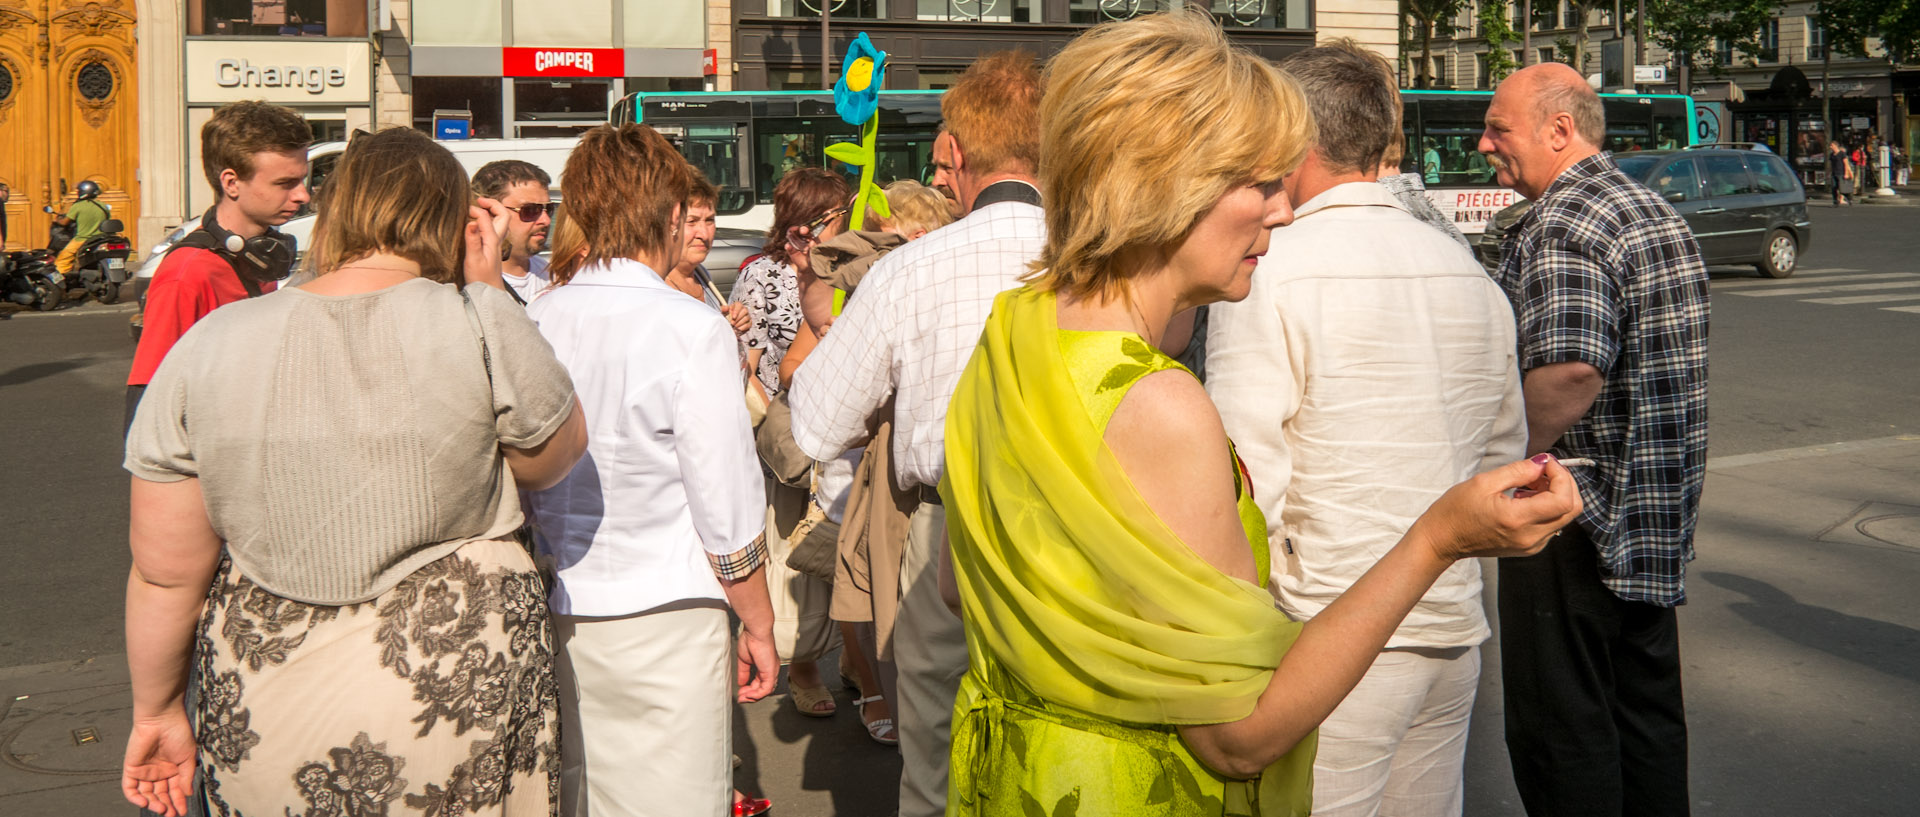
pixel 436 698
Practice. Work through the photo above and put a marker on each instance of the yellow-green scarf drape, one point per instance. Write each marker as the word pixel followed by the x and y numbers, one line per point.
pixel 1065 573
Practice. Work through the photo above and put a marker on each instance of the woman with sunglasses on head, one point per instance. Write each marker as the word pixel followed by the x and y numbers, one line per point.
pixel 809 206
pixel 323 522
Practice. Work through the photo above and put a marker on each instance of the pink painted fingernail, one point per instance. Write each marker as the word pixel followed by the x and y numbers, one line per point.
pixel 1541 459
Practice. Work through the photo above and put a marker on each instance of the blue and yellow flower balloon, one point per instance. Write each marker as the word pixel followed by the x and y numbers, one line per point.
pixel 857 95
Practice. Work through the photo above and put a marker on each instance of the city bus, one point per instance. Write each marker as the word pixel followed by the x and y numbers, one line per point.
pixel 745 140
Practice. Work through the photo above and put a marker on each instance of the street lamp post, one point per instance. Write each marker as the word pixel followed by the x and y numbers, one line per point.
pixel 826 51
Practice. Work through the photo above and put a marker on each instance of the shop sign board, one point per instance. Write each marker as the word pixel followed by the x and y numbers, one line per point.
pixel 1471 208
pixel 229 70
pixel 710 62
pixel 563 62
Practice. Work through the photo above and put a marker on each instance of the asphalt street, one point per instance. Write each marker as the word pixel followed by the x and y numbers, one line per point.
pixel 1800 641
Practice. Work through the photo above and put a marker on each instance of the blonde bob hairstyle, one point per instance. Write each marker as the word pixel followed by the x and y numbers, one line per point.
pixel 915 206
pixel 394 191
pixel 1144 125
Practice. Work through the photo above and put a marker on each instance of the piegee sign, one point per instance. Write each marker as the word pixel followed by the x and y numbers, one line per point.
pixel 227 70
pixel 563 62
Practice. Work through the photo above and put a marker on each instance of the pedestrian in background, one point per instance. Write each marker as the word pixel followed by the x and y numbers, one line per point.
pixel 689 274
pixel 809 205
pixel 335 559
pixel 255 158
pixel 654 534
pixel 1839 172
pixel 1611 299
pixel 525 190
pixel 1106 548
pixel 905 340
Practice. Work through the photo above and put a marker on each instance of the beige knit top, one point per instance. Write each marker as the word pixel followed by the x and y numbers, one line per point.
pixel 343 442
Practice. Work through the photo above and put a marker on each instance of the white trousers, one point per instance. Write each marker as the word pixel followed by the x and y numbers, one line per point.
pixel 930 654
pixel 646 707
pixel 1397 746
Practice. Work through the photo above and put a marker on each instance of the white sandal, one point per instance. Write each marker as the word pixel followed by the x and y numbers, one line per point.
pixel 880 729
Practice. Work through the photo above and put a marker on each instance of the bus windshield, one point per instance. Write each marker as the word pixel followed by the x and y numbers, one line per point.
pixel 746 140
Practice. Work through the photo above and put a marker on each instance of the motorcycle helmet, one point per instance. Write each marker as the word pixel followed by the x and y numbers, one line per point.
pixel 87 189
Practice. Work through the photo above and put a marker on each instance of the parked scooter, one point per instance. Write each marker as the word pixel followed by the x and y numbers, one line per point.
pixel 26 278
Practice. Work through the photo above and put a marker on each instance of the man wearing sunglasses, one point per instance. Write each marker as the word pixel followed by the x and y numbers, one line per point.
pixel 526 190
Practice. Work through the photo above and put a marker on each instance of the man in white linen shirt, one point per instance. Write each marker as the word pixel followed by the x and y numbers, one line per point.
pixel 1371 368
pixel 655 532
pixel 909 332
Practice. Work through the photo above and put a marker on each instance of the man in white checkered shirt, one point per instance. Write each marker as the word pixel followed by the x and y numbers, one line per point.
pixel 908 333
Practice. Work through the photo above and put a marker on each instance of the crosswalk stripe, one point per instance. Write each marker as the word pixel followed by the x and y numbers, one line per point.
pixel 1864 299
pixel 1914 309
pixel 1772 293
pixel 1881 276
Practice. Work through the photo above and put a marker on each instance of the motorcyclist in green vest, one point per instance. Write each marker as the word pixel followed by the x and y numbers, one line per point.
pixel 85 215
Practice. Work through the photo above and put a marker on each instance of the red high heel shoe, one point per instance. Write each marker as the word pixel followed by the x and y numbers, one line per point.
pixel 751 806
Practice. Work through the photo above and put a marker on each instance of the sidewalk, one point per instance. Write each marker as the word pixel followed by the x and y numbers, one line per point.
pixel 1801 645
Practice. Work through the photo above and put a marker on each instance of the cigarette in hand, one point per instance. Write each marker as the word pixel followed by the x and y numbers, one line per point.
pixel 1574 462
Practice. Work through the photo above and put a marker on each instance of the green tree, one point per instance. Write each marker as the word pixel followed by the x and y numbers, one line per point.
pixel 1690 29
pixel 1496 24
pixel 1848 24
pixel 1430 18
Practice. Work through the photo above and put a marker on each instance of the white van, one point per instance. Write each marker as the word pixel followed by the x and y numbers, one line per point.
pixel 549 155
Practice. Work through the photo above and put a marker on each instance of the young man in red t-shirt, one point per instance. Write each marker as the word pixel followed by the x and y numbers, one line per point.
pixel 255 156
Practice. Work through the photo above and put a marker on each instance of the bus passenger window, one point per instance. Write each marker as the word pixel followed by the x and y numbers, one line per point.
pixel 780 151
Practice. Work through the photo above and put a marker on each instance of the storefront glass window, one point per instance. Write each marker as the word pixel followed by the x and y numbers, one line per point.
pixel 477 95
pixel 575 100
pixel 277 18
pixel 1261 13
pixel 987 11
pixel 841 9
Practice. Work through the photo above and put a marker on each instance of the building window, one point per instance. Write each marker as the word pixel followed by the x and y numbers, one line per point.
pixel 1570 16
pixel 849 9
pixel 1770 41
pixel 479 96
pixel 1440 72
pixel 94 82
pixel 1484 78
pixel 6 83
pixel 277 18
pixel 968 11
pixel 1255 13
pixel 1546 55
pixel 1816 40
pixel 1722 51
pixel 1519 58
pixel 1089 12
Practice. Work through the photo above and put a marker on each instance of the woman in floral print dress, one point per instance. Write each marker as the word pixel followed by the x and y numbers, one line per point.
pixel 324 524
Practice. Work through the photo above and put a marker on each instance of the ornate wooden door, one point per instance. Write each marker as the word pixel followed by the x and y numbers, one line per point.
pixel 68 109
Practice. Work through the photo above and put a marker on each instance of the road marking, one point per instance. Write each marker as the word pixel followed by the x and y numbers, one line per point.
pixel 1882 276
pixel 1770 293
pixel 77 312
pixel 1785 454
pixel 1864 299
pixel 1913 309
pixel 1828 270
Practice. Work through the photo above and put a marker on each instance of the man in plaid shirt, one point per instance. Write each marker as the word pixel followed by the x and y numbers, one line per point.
pixel 1611 300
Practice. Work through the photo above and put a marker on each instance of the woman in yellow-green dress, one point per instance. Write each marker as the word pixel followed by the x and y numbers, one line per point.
pixel 1107 556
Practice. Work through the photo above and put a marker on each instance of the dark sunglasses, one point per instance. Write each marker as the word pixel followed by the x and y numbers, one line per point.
pixel 815 226
pixel 530 213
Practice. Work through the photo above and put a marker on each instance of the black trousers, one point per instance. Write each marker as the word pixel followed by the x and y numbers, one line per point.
pixel 1596 725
